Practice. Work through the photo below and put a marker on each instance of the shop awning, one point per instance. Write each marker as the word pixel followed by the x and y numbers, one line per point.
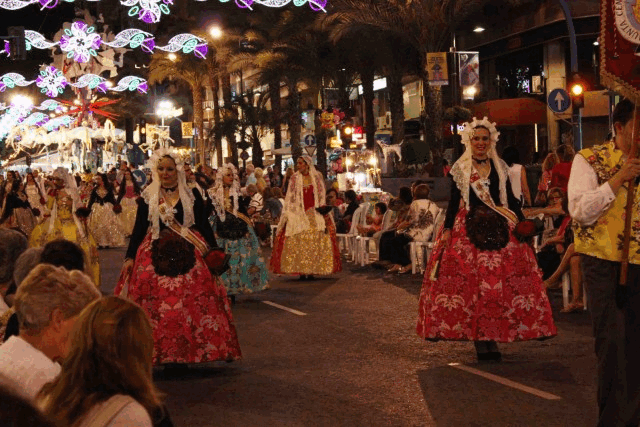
pixel 512 112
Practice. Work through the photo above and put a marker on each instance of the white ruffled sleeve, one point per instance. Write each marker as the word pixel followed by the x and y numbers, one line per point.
pixel 587 199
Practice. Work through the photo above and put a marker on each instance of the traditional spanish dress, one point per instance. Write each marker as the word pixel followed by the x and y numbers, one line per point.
pixel 64 224
pixel 484 285
pixel 36 199
pixel 129 208
pixel 188 307
pixel 306 240
pixel 17 213
pixel 103 221
pixel 247 271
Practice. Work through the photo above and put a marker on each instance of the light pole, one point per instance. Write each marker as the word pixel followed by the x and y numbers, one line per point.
pixel 166 110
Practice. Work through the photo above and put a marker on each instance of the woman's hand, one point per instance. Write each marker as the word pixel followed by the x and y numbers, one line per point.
pixel 446 237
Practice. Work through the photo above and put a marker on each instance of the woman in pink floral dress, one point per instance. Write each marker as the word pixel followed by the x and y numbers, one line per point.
pixel 481 283
pixel 165 272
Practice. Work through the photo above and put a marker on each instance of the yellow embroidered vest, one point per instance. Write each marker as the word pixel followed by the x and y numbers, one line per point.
pixel 604 239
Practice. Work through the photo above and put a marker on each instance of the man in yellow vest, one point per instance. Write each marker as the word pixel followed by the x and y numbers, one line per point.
pixel 597 198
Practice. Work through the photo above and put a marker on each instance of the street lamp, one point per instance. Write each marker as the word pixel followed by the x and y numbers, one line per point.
pixel 164 110
pixel 172 57
pixel 215 32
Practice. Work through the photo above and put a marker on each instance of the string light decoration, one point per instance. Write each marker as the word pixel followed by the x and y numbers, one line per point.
pixel 51 81
pixel 187 43
pixel 316 5
pixel 50 105
pixel 11 80
pixel 36 119
pixel 149 11
pixel 81 42
pixel 6 50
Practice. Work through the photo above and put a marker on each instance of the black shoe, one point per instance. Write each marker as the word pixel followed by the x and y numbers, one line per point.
pixel 233 299
pixel 310 277
pixel 491 356
pixel 303 277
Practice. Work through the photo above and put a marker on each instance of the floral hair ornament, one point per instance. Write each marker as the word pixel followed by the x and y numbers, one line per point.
pixel 470 127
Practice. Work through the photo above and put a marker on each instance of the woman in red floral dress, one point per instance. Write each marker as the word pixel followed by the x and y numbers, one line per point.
pixel 306 239
pixel 481 283
pixel 166 274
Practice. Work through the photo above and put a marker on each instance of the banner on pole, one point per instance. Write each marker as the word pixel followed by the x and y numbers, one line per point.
pixel 620 47
pixel 437 69
pixel 469 71
pixel 187 129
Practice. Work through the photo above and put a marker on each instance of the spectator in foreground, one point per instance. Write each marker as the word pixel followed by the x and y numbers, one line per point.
pixel 47 303
pixel 13 243
pixel 15 411
pixel 108 370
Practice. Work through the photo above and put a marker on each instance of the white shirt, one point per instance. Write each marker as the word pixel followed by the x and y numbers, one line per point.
pixel 132 415
pixel 25 368
pixel 515 177
pixel 587 199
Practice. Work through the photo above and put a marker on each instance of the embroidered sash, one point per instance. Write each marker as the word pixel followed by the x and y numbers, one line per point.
pixel 483 194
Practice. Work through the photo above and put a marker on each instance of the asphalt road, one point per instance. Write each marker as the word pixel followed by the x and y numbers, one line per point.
pixel 353 359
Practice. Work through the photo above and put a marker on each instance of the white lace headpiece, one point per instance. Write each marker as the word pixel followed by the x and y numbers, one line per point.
pixel 151 194
pixel 461 170
pixel 217 191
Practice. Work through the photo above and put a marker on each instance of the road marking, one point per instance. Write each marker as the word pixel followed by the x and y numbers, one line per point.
pixel 282 307
pixel 507 382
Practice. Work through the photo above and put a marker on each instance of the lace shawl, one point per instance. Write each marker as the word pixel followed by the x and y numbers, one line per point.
pixel 151 194
pixel 294 215
pixel 217 192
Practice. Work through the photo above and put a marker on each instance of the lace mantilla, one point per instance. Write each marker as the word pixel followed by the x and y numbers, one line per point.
pixel 217 192
pixel 462 169
pixel 151 194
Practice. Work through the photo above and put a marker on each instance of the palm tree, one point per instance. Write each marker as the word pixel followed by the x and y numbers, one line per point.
pixel 187 68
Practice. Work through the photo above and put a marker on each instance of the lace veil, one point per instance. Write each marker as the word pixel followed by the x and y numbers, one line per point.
pixel 217 192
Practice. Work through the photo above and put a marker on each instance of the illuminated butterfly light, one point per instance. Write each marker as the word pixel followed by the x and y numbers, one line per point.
pixel 92 81
pixel 15 4
pixel 80 42
pixel 58 122
pixel 131 83
pixel 11 80
pixel 49 104
pixel 188 43
pixel 51 81
pixel 243 4
pixel 134 38
pixel 316 5
pixel 6 49
pixel 149 11
pixel 36 119
pixel 37 40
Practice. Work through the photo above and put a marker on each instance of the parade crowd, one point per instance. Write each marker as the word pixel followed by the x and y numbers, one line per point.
pixel 196 238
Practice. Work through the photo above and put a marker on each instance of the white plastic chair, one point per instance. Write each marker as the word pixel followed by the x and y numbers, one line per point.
pixel 345 239
pixel 420 251
pixel 358 221
pixel 364 242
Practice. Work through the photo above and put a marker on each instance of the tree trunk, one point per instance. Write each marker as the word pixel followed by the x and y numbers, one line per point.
pixel 367 77
pixel 217 132
pixel 321 151
pixel 276 119
pixel 396 106
pixel 256 150
pixel 433 122
pixel 294 120
pixel 232 144
pixel 198 113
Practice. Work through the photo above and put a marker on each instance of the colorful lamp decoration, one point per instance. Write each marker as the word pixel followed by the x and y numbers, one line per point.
pixel 37 40
pixel 133 38
pixel 187 43
pixel 149 11
pixel 51 81
pixel 131 83
pixel 11 80
pixel 92 82
pixel 50 105
pixel 36 119
pixel 80 42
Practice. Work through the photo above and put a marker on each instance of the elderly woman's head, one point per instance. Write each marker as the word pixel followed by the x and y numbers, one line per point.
pixel 12 244
pixel 47 303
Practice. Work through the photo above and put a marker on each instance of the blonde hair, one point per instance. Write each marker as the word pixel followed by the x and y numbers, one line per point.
pixel 48 288
pixel 111 353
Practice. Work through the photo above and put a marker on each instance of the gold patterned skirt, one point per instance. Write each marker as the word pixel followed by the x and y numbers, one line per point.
pixel 311 252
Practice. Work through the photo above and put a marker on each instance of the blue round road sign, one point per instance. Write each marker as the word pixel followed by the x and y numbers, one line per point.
pixel 309 140
pixel 559 101
pixel 140 177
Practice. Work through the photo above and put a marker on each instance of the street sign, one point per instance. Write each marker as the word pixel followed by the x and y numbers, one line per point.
pixel 559 101
pixel 309 140
pixel 140 177
pixel 311 150
pixel 244 156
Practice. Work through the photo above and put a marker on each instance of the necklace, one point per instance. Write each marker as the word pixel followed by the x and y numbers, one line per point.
pixel 170 190
pixel 480 161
